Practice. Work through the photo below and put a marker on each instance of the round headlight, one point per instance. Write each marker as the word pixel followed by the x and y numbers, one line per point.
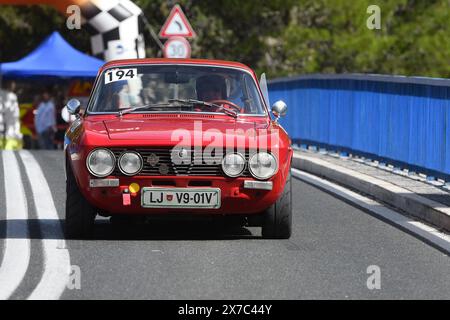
pixel 101 162
pixel 233 164
pixel 262 165
pixel 130 163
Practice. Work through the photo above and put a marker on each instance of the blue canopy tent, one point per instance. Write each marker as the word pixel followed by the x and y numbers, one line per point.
pixel 53 58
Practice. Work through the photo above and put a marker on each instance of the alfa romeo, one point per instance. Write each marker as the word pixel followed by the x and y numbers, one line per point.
pixel 163 137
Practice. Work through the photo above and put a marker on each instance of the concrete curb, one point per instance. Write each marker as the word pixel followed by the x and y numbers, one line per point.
pixel 422 208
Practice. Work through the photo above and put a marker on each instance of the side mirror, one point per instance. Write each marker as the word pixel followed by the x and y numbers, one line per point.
pixel 279 109
pixel 73 106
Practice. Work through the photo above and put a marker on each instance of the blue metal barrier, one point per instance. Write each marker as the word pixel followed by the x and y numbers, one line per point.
pixel 403 121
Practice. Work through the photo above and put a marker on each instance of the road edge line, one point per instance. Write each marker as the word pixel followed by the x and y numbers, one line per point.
pixel 421 208
pixel 16 256
pixel 56 256
pixel 425 232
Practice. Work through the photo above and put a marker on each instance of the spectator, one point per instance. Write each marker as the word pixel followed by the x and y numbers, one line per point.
pixel 9 118
pixel 45 122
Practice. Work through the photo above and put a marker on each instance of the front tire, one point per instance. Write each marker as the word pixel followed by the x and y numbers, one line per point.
pixel 277 219
pixel 80 215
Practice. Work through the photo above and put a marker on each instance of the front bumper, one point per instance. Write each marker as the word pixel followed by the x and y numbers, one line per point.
pixel 237 195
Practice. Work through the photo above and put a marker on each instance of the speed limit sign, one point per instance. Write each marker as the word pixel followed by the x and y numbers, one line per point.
pixel 177 47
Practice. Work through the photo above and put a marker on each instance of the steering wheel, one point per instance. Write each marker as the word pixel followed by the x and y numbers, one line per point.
pixel 228 103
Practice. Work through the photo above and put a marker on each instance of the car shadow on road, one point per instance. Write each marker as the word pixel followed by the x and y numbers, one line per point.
pixel 104 230
pixel 170 230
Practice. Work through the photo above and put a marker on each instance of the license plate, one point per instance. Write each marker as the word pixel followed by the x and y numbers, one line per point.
pixel 180 198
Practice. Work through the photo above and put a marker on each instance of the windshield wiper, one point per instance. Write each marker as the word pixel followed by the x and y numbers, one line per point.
pixel 208 104
pixel 149 106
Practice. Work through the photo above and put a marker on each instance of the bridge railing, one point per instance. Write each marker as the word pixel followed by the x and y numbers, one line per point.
pixel 403 121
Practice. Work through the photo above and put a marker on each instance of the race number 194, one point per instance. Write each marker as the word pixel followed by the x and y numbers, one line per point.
pixel 119 74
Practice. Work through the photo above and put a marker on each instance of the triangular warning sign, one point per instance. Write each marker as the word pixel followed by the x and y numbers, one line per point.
pixel 177 25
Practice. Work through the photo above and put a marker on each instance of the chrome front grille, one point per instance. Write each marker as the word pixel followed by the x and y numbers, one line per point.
pixel 158 162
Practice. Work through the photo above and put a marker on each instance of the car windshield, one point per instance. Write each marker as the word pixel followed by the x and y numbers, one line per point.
pixel 175 88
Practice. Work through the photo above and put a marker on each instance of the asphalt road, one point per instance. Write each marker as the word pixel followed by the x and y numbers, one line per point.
pixel 332 246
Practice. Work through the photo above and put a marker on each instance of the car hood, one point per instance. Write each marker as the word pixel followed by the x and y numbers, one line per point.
pixel 165 130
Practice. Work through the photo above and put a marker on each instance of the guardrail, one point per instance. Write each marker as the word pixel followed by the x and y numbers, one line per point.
pixel 403 121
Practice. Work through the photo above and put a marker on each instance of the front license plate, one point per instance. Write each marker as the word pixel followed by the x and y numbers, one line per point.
pixel 180 198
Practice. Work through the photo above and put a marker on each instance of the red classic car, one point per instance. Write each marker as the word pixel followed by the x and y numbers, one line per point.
pixel 178 137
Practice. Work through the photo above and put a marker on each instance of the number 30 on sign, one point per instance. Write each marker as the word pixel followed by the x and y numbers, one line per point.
pixel 177 47
pixel 119 74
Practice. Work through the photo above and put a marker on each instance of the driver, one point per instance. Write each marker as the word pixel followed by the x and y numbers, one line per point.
pixel 213 88
pixel 210 88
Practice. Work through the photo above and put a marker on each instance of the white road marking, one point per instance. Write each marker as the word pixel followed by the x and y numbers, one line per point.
pixel 420 229
pixel 56 256
pixel 17 244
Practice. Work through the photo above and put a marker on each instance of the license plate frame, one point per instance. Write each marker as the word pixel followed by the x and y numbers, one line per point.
pixel 174 204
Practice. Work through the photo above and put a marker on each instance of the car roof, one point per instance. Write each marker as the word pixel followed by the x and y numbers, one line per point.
pixel 150 61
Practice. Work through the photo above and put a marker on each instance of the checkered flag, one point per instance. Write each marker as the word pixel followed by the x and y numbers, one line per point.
pixel 116 29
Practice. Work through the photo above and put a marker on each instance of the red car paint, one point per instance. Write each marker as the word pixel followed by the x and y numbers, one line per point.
pixel 134 130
